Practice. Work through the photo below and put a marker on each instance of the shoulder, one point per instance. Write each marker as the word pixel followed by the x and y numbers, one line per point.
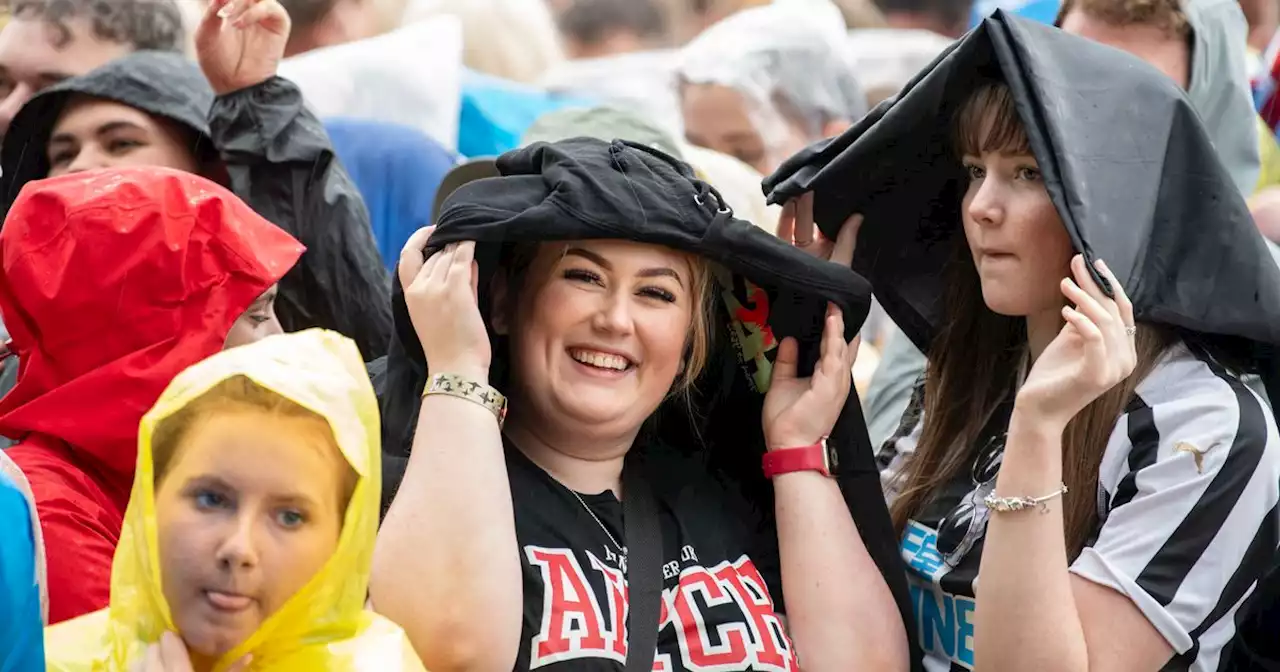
pixel 1190 393
pixel 1190 417
pixel 77 644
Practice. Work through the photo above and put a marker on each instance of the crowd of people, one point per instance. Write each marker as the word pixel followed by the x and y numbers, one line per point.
pixel 639 335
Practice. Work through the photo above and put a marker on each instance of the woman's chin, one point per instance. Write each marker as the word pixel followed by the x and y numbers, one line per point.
pixel 601 411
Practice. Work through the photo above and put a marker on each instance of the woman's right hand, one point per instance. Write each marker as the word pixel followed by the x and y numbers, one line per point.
pixel 441 294
pixel 796 226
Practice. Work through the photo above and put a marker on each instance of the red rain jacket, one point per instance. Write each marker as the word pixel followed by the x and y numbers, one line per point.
pixel 111 283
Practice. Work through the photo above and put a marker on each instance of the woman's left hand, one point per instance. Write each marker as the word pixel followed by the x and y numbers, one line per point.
pixel 240 43
pixel 1094 351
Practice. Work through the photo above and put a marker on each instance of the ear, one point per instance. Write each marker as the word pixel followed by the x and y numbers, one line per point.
pixel 834 127
pixel 499 314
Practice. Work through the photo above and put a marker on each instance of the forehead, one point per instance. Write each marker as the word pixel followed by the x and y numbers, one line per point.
pixel 1150 43
pixel 622 254
pixel 29 47
pixel 86 109
pixel 256 450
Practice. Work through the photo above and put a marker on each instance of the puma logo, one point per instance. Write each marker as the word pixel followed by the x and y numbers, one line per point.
pixel 1196 453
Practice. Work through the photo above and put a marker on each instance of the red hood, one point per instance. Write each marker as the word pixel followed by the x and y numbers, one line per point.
pixel 111 283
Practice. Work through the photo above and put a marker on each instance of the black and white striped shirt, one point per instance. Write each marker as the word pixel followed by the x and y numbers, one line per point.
pixel 1187 496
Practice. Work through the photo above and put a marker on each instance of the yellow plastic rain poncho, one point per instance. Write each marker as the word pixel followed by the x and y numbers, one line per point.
pixel 324 626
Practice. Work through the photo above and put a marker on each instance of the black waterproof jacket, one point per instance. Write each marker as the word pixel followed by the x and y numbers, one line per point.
pixel 1130 170
pixel 276 157
pixel 586 188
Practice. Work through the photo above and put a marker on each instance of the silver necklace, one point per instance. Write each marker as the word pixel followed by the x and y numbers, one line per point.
pixel 621 549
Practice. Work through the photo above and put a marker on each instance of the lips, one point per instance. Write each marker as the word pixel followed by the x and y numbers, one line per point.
pixel 230 603
pixel 599 359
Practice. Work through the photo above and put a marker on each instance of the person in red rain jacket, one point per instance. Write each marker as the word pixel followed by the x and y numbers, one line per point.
pixel 112 282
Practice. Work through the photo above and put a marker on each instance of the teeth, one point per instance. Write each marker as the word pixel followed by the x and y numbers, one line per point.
pixel 601 360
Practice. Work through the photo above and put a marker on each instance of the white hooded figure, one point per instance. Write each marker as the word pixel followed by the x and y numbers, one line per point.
pixel 765 82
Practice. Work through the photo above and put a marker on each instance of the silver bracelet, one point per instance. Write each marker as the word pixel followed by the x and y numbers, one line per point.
pixel 1010 504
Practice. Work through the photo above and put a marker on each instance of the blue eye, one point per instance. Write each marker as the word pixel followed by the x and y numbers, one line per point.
pixel 208 499
pixel 290 519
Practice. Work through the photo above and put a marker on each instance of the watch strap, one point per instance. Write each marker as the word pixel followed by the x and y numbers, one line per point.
pixel 806 458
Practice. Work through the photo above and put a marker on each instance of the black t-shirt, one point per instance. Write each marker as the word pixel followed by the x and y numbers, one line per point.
pixel 722 584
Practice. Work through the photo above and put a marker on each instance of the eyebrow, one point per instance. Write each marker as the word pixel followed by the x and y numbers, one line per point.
pixel 101 130
pixel 655 272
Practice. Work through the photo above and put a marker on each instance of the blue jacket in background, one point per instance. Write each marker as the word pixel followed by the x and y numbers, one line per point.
pixel 397 170
pixel 496 112
pixel 21 627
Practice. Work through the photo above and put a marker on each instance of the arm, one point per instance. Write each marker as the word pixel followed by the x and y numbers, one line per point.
pixel 446 566
pixel 840 612
pixel 279 160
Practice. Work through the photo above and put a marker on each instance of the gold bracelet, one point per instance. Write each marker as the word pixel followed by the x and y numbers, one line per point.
pixel 453 385
pixel 1012 504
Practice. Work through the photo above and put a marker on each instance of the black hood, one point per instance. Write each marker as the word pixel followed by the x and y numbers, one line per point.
pixel 162 84
pixel 1123 154
pixel 590 189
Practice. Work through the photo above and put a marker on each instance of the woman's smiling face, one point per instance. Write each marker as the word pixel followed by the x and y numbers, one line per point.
pixel 599 334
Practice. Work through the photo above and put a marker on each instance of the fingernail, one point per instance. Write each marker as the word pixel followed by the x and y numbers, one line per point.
pixel 1102 265
pixel 227 10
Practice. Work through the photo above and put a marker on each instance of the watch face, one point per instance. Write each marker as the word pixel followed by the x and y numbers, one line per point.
pixel 832 458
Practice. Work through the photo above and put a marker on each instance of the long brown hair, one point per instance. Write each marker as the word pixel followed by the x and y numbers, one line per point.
pixel 975 357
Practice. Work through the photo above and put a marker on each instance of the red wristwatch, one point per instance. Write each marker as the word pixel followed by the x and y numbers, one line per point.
pixel 819 457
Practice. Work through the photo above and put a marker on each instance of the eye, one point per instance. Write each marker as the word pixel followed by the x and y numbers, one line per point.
pixel 122 145
pixel 62 157
pixel 207 500
pixel 290 519
pixel 659 294
pixel 259 319
pixel 974 171
pixel 582 275
pixel 1029 174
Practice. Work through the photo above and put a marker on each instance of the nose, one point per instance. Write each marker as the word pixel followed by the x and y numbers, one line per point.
pixel 239 549
pixel 614 315
pixel 985 203
pixel 11 104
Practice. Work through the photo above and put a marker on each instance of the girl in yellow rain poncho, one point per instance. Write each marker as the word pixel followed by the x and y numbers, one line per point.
pixel 251 523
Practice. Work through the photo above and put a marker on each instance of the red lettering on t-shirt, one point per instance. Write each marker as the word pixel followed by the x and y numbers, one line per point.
pixel 695 641
pixel 772 649
pixel 615 637
pixel 758 315
pixel 572 625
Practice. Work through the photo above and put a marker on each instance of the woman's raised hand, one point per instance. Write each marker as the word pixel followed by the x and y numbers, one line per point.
pixel 1094 351
pixel 240 43
pixel 441 294
pixel 799 412
pixel 796 226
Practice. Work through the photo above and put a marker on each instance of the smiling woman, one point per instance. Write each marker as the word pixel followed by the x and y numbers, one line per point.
pixel 610 349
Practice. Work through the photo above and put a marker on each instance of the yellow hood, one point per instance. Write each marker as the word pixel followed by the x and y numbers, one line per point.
pixel 322 627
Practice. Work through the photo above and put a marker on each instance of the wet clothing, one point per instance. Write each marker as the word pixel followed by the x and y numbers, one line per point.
pixel 264 145
pixel 175 260
pixel 323 626
pixel 1137 181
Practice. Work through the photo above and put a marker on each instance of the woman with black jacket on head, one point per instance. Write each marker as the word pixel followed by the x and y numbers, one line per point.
pixel 1047 219
pixel 662 360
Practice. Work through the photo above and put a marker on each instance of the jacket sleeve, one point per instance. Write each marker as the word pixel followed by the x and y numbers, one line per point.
pixel 280 161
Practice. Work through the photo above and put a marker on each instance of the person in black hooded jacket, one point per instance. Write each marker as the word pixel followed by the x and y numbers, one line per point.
pixel 1047 218
pixel 654 349
pixel 238 124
